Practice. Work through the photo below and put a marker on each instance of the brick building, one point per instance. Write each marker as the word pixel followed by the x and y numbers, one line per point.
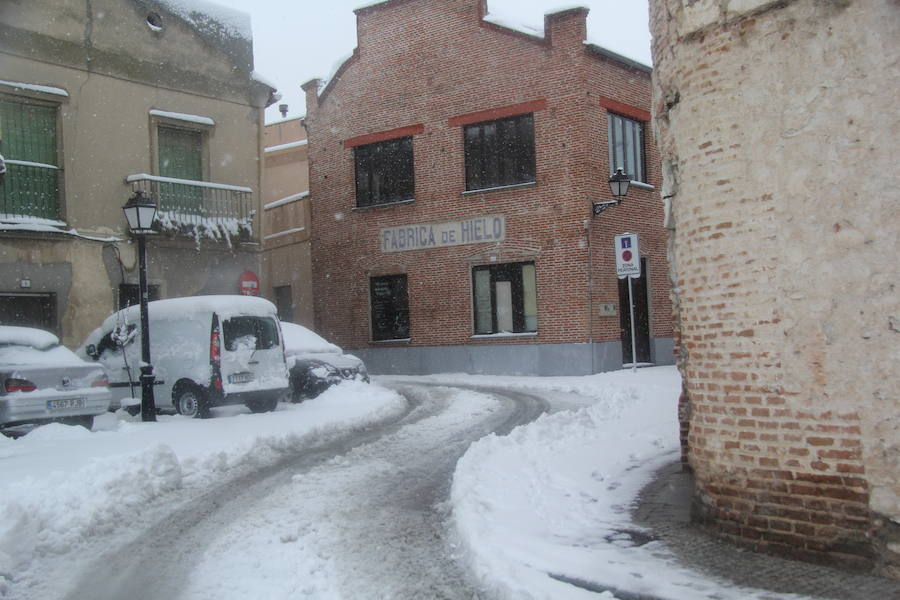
pixel 783 196
pixel 453 166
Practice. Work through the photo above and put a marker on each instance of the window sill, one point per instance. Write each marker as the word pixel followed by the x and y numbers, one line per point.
pixel 504 336
pixel 641 185
pixel 404 341
pixel 384 204
pixel 501 187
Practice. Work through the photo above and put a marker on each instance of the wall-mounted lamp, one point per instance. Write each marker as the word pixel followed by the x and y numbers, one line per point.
pixel 618 185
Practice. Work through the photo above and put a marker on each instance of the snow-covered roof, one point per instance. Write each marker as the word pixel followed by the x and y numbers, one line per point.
pixel 299 339
pixel 203 15
pixel 173 309
pixel 27 336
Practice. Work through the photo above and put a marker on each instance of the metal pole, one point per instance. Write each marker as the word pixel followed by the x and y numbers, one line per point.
pixel 148 403
pixel 631 308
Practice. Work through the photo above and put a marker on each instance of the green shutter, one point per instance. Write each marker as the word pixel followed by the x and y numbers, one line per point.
pixel 28 134
pixel 181 157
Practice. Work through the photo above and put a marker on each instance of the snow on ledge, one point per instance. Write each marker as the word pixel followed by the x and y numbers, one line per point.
pixel 183 117
pixel 287 146
pixel 286 200
pixel 217 186
pixel 529 30
pixel 38 225
pixel 34 87
pixel 272 236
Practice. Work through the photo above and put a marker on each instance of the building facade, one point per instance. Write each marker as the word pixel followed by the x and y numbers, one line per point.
pixel 780 170
pixel 102 99
pixel 453 166
pixel 286 262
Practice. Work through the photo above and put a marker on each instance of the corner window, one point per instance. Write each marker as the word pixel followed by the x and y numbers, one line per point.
pixel 28 143
pixel 384 172
pixel 390 307
pixel 505 298
pixel 626 146
pixel 500 153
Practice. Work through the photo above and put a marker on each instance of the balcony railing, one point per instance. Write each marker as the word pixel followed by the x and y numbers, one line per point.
pixel 29 190
pixel 199 208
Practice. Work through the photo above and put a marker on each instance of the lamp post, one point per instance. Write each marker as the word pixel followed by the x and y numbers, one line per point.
pixel 140 211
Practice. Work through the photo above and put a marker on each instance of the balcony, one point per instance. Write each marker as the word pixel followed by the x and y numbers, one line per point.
pixel 30 191
pixel 199 208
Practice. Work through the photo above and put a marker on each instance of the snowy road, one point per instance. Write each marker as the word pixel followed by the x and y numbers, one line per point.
pixel 364 516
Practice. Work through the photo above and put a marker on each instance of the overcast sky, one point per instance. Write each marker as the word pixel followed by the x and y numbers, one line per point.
pixel 297 40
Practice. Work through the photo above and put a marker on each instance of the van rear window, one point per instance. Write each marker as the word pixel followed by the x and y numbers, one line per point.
pixel 260 332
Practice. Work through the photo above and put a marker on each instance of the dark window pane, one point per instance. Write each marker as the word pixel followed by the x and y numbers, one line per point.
pixel 130 294
pixel 262 330
pixel 284 302
pixel 626 146
pixel 499 152
pixel 505 298
pixel 390 307
pixel 384 172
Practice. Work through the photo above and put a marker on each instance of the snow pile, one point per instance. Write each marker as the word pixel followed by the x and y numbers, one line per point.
pixel 63 485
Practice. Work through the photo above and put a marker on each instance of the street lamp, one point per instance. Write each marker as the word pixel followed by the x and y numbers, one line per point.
pixel 140 211
pixel 618 185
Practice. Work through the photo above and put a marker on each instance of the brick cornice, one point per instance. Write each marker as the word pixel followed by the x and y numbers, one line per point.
pixel 498 113
pixel 381 136
pixel 626 110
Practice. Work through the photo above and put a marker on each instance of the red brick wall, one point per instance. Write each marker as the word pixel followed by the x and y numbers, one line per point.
pixel 424 63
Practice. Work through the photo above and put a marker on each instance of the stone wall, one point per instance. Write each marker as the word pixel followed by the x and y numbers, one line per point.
pixel 777 124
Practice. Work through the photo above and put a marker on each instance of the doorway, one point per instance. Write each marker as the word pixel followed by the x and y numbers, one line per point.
pixel 641 317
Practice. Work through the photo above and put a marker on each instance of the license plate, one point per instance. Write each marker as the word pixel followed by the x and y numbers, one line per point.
pixel 64 403
pixel 240 378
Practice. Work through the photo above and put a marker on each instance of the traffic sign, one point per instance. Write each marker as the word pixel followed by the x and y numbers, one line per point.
pixel 628 256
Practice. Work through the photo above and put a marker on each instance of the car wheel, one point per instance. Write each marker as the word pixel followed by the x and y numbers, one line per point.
pixel 313 387
pixel 86 421
pixel 190 401
pixel 260 406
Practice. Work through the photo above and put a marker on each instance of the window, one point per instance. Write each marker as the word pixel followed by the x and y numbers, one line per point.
pixel 181 157
pixel 384 172
pixel 130 294
pixel 500 153
pixel 390 307
pixel 626 146
pixel 284 302
pixel 29 310
pixel 30 187
pixel 260 333
pixel 505 298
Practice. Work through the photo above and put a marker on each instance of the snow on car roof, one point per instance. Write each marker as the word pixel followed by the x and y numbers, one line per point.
pixel 173 309
pixel 27 336
pixel 298 338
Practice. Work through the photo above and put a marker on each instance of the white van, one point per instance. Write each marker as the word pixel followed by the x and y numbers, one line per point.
pixel 206 351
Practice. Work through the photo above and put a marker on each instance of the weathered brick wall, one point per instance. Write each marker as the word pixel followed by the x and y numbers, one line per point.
pixel 777 124
pixel 422 63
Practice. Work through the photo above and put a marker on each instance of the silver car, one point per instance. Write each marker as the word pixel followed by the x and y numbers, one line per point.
pixel 42 381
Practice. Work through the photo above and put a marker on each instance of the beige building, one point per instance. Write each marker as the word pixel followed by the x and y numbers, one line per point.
pixel 100 99
pixel 286 266
pixel 778 129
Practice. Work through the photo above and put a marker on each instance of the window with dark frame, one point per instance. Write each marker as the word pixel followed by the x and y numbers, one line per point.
pixel 500 153
pixel 28 142
pixel 626 146
pixel 505 298
pixel 390 307
pixel 130 294
pixel 384 172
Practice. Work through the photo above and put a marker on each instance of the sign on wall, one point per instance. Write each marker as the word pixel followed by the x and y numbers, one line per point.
pixel 249 284
pixel 628 256
pixel 478 230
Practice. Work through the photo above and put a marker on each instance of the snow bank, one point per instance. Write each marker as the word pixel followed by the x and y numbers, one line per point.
pixel 63 485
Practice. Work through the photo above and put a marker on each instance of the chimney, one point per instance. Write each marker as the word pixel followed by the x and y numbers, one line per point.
pixel 311 88
pixel 283 109
pixel 566 30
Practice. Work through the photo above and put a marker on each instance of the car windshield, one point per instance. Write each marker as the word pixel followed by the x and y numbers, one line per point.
pixel 259 332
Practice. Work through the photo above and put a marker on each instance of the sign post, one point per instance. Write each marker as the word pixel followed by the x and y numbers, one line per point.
pixel 628 264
